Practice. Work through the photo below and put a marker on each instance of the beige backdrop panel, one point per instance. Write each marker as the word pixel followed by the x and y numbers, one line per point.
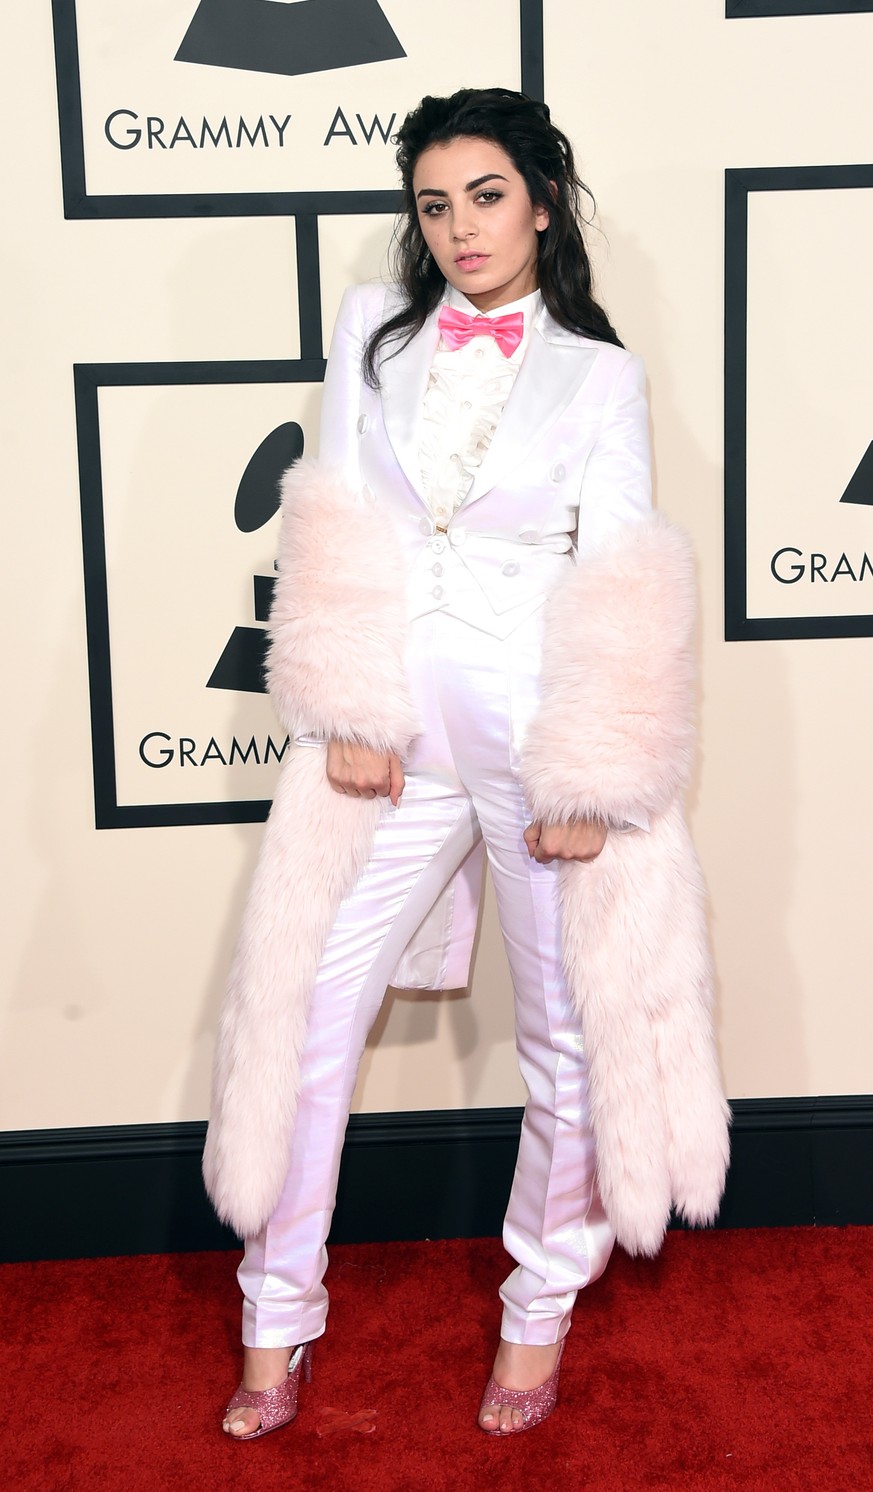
pixel 117 942
pixel 809 423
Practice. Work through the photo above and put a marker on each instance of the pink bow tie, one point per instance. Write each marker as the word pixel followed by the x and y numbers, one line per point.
pixel 458 328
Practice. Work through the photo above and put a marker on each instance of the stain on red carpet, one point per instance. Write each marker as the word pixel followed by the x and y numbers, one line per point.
pixel 734 1360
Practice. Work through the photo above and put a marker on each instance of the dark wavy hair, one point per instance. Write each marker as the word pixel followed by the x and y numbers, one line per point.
pixel 540 153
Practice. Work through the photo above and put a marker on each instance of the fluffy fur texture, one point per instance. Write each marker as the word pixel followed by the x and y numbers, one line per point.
pixel 612 738
pixel 335 668
pixel 614 733
pixel 315 846
pixel 636 957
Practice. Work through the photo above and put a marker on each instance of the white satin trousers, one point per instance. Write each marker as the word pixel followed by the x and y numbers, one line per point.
pixel 476 694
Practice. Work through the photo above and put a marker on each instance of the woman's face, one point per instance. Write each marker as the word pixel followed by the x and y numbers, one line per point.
pixel 478 221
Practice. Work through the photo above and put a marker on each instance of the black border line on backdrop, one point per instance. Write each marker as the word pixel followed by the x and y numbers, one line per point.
pixel 137 1188
pixel 308 286
pixel 79 205
pixel 88 379
pixel 739 183
pixel 741 10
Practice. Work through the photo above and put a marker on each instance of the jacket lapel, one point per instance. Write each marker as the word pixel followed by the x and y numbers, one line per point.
pixel 553 370
pixel 404 383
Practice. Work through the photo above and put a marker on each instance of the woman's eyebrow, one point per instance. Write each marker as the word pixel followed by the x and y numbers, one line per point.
pixel 470 187
pixel 491 176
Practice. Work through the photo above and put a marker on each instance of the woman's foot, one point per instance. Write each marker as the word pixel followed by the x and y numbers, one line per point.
pixel 264 1367
pixel 517 1366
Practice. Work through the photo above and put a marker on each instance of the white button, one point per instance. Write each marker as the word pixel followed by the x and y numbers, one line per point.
pixel 363 423
pixel 437 568
pixel 438 546
pixel 424 525
pixel 511 568
pixel 480 351
pixel 441 512
pixel 527 535
pixel 454 456
pixel 457 535
pixel 437 590
pixel 466 404
pixel 558 472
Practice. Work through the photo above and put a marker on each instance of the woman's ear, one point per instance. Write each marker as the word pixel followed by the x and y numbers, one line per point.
pixel 542 218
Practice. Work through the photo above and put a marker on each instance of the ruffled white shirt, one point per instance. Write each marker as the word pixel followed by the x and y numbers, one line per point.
pixel 466 392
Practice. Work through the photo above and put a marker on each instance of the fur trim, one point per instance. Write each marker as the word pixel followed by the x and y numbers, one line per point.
pixel 335 664
pixel 614 734
pixel 637 961
pixel 287 920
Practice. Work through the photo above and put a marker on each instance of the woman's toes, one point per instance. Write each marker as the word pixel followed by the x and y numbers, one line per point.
pixel 242 1422
pixel 501 1417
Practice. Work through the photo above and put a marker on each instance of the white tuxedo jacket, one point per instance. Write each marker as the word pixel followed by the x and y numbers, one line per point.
pixel 569 464
pixel 570 461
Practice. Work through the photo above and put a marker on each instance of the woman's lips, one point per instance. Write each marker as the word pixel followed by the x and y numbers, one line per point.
pixel 471 261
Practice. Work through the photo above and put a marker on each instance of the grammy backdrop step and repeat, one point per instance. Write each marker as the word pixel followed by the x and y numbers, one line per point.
pixel 190 185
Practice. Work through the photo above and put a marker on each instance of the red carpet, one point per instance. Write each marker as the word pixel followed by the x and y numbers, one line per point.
pixel 735 1360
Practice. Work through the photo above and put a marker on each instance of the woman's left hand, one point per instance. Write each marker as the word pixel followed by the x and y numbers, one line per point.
pixel 581 840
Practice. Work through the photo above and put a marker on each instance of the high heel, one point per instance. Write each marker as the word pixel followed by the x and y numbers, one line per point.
pixel 275 1406
pixel 536 1404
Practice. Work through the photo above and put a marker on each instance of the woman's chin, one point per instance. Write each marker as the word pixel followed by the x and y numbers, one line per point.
pixel 467 282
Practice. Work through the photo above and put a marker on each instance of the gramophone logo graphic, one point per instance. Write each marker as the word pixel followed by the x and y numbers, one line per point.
pixel 241 665
pixel 860 488
pixel 289 36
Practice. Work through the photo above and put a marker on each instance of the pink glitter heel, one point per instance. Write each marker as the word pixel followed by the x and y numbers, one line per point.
pixel 536 1404
pixel 276 1406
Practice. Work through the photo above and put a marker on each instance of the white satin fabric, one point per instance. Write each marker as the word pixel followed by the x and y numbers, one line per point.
pixel 476 694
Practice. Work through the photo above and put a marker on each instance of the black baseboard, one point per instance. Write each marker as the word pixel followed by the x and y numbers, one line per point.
pixel 134 1189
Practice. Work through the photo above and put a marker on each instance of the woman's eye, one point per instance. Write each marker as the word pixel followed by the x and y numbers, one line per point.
pixel 486 197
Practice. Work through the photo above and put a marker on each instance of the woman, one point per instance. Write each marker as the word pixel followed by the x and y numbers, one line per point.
pixel 484 448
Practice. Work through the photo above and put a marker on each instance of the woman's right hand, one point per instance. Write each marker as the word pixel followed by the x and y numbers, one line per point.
pixel 363 773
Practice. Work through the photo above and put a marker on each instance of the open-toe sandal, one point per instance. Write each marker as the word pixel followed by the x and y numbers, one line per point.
pixel 275 1406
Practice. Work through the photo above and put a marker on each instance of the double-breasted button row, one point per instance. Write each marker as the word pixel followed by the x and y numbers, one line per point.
pixel 455 536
